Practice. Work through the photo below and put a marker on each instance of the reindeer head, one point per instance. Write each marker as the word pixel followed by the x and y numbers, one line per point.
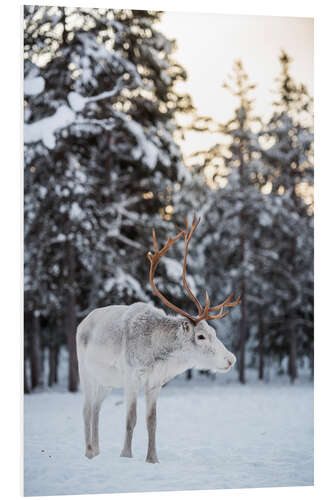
pixel 201 347
pixel 200 341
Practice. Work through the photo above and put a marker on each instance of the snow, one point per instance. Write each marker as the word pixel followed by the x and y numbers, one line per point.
pixel 34 86
pixel 144 146
pixel 125 282
pixel 174 270
pixel 76 213
pixel 211 434
pixel 265 219
pixel 44 130
pixel 92 48
pixel 76 101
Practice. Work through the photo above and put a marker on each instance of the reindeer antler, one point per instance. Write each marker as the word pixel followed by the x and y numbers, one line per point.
pixel 154 259
pixel 203 312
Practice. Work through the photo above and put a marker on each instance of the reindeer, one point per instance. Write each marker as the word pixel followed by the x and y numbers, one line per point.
pixel 140 346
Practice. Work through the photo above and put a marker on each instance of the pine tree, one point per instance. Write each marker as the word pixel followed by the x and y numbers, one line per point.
pixel 287 149
pixel 236 175
pixel 100 157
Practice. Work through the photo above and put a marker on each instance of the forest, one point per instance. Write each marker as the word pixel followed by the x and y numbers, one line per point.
pixel 103 165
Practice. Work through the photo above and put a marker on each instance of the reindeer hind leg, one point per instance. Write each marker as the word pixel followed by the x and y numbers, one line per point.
pixel 131 394
pixel 87 417
pixel 88 389
pixel 100 394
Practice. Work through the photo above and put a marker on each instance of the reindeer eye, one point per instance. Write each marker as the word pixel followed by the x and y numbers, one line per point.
pixel 201 337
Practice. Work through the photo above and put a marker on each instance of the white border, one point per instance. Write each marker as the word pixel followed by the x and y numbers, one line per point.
pixel 12 250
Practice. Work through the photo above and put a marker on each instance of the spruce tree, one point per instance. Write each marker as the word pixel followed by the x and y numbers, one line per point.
pixel 236 176
pixel 100 157
pixel 287 149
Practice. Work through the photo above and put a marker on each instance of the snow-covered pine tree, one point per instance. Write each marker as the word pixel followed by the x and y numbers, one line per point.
pixel 100 157
pixel 234 170
pixel 287 149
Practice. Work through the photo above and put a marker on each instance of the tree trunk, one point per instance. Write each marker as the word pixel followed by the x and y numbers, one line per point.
pixel 56 359
pixel 26 383
pixel 242 341
pixel 73 375
pixel 35 354
pixel 52 366
pixel 243 323
pixel 42 365
pixel 189 374
pixel 292 361
pixel 292 356
pixel 261 349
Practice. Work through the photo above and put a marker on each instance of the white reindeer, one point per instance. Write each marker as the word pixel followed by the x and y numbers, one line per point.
pixel 140 346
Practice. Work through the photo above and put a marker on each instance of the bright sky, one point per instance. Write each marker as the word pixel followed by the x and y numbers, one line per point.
pixel 208 44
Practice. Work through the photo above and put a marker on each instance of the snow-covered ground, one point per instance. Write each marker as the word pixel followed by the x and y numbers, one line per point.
pixel 211 435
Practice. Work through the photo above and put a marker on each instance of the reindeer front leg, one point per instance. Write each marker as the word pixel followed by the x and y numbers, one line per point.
pixel 151 398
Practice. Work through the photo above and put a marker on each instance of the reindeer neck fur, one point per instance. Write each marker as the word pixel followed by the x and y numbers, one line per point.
pixel 155 344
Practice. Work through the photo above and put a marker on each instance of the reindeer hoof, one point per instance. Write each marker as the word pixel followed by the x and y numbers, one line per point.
pixel 152 460
pixel 90 453
pixel 126 454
